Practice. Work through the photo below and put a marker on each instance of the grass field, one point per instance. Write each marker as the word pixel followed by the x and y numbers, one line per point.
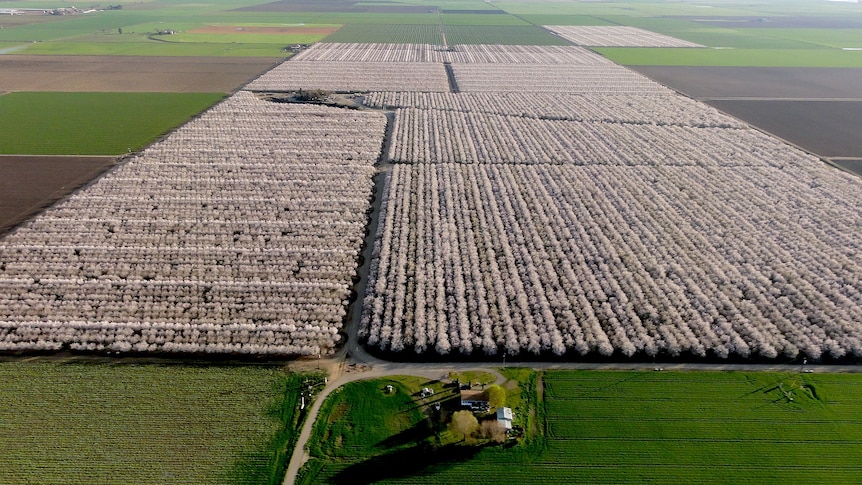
pixel 80 423
pixel 92 123
pixel 617 427
pixel 641 427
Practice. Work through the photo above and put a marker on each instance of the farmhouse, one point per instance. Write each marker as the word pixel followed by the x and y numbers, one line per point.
pixel 504 417
pixel 475 400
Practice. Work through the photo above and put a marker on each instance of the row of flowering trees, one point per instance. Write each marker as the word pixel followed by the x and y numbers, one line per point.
pixel 429 135
pixel 479 53
pixel 616 36
pixel 590 77
pixel 657 109
pixel 353 76
pixel 239 232
pixel 369 52
pixel 543 258
pixel 582 208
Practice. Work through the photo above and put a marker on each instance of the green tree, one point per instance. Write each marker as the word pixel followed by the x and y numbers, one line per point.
pixel 496 396
pixel 463 424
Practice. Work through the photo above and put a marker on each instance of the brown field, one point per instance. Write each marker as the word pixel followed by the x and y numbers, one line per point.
pixel 827 128
pixel 759 82
pixel 229 29
pixel 129 74
pixel 850 165
pixel 32 183
pixel 818 109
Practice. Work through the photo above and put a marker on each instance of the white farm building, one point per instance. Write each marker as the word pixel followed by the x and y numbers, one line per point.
pixel 504 417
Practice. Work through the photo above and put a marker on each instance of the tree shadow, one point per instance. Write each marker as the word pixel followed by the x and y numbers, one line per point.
pixel 445 400
pixel 404 463
pixel 415 434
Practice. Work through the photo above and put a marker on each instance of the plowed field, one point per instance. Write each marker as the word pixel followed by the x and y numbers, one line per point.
pixel 129 74
pixel 759 82
pixel 31 183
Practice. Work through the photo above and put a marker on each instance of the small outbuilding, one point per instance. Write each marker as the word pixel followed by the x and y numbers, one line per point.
pixel 504 417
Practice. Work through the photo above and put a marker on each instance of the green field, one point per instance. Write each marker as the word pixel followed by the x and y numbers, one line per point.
pixel 88 423
pixel 455 34
pixel 506 35
pixel 618 427
pixel 632 427
pixel 481 19
pixel 387 33
pixel 92 123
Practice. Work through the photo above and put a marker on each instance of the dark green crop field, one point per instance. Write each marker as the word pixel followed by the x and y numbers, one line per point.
pixel 92 123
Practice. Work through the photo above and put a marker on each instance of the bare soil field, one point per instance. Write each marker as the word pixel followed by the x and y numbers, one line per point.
pixel 827 128
pixel 331 6
pixel 231 29
pixel 129 74
pixel 776 22
pixel 758 82
pixel 29 184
